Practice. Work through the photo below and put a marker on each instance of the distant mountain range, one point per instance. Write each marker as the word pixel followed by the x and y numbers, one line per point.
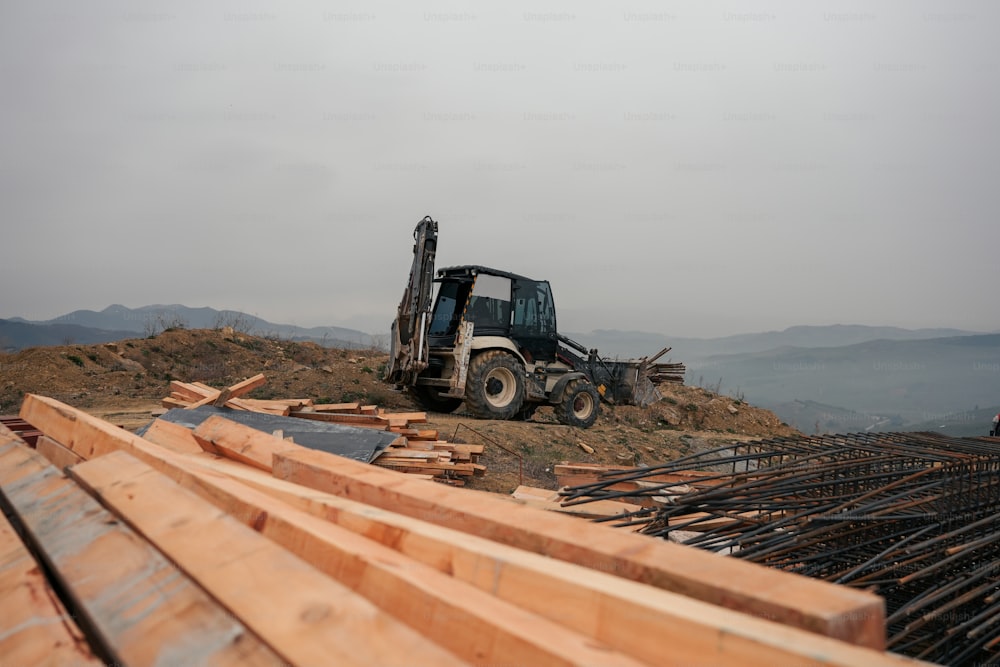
pixel 611 342
pixel 117 322
pixel 832 378
pixel 840 378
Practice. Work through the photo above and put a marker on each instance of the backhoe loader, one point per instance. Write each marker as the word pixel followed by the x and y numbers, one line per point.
pixel 488 338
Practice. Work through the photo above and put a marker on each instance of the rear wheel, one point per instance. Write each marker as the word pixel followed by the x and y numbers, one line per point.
pixel 494 388
pixel 580 404
pixel 431 401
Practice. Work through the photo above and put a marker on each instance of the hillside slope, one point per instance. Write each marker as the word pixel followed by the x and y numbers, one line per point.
pixel 123 382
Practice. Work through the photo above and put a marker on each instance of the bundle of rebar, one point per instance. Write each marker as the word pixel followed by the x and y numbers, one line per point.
pixel 912 516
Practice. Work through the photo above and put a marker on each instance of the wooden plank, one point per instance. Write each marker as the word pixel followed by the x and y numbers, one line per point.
pixel 338 407
pixel 256 452
pixel 57 454
pixel 634 618
pixel 239 389
pixel 426 466
pixel 188 391
pixel 470 622
pixel 372 421
pixel 171 403
pixel 550 500
pixel 227 395
pixel 304 615
pixel 35 628
pixel 835 611
pixel 405 453
pixel 272 407
pixel 141 610
pixel 412 417
pixel 173 436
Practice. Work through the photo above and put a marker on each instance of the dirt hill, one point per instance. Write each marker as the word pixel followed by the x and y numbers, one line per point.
pixel 124 381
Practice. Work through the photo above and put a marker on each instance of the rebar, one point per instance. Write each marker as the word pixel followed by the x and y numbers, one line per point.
pixel 913 516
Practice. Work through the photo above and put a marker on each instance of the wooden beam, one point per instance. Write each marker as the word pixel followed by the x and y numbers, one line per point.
pixel 35 628
pixel 634 618
pixel 470 622
pixel 58 455
pixel 368 421
pixel 175 437
pixel 825 608
pixel 300 612
pixel 245 448
pixel 835 611
pixel 141 610
pixel 239 389
pixel 227 396
pixel 338 407
pixel 550 500
pixel 187 391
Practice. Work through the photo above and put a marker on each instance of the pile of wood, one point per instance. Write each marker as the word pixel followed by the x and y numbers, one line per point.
pixel 416 451
pixel 228 545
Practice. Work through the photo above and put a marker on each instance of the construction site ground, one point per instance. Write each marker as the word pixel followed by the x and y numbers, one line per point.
pixel 123 383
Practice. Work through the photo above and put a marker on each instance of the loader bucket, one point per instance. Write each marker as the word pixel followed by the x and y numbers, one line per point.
pixel 634 381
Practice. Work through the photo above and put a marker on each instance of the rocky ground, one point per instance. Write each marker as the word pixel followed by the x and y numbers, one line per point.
pixel 123 382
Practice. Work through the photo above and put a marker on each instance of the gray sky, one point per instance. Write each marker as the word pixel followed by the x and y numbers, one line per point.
pixel 688 168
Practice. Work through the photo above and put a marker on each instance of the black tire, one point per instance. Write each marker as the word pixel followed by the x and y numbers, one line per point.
pixel 494 387
pixel 580 404
pixel 430 400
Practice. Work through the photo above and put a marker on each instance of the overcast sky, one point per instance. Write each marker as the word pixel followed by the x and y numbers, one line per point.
pixel 687 168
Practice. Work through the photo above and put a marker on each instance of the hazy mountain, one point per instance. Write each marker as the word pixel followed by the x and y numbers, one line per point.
pixel 611 342
pixel 116 322
pixel 814 417
pixel 967 423
pixel 918 380
pixel 16 335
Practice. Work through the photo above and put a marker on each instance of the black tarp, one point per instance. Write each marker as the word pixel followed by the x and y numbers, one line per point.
pixel 360 444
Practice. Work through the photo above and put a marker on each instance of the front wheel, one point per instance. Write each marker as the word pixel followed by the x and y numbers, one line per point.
pixel 494 387
pixel 580 404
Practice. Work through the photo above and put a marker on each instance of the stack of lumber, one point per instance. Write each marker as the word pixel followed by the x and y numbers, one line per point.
pixel 196 394
pixel 417 451
pixel 228 545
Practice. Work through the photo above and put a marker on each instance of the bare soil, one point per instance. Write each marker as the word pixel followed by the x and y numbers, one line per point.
pixel 123 383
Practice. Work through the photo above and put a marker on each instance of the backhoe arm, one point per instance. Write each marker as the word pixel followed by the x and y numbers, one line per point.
pixel 408 343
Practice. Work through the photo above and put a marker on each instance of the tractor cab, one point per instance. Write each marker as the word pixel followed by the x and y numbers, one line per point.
pixel 497 303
